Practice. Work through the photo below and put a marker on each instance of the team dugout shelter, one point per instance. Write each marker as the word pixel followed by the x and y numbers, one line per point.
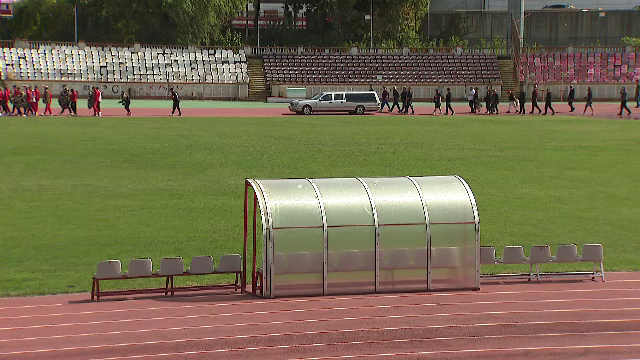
pixel 360 235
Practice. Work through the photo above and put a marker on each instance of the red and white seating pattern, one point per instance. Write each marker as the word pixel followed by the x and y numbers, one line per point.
pixel 580 68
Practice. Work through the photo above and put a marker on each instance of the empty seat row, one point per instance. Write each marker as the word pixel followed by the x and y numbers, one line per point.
pixel 541 254
pixel 598 68
pixel 364 260
pixel 169 267
pixel 124 64
pixel 414 68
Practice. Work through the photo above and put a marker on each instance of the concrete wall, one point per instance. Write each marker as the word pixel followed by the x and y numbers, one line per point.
pixel 601 92
pixel 545 28
pixel 420 92
pixel 147 90
pixel 448 5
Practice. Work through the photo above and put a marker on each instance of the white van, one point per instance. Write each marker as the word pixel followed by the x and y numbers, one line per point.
pixel 354 102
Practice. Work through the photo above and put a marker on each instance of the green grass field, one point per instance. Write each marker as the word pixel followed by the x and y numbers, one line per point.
pixel 74 191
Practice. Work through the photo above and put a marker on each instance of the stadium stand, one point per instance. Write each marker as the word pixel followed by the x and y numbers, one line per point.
pixel 339 68
pixel 124 64
pixel 580 68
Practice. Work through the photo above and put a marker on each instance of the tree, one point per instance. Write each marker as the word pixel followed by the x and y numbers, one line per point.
pixel 198 22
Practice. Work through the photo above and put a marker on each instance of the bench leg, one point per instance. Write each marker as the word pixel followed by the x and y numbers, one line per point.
pixel 166 286
pixel 172 291
pixel 602 270
pixel 538 272
pixel 93 288
pixel 530 271
pixel 235 288
pixel 98 290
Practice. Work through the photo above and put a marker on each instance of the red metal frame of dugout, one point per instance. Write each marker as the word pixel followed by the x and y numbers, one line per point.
pixel 256 284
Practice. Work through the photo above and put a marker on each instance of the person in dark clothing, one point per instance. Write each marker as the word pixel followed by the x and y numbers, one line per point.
pixel 447 101
pixel 589 104
pixel 409 102
pixel 495 101
pixel 371 88
pixel 396 97
pixel 487 101
pixel 385 99
pixel 547 103
pixel 403 97
pixel 437 101
pixel 513 103
pixel 623 102
pixel 534 100
pixel 476 100
pixel 523 101
pixel 176 102
pixel 571 98
pixel 126 101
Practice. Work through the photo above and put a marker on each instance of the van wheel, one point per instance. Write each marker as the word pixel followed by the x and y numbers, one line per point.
pixel 360 110
pixel 306 110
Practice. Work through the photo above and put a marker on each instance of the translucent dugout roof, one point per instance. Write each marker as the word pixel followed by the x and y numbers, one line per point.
pixel 358 235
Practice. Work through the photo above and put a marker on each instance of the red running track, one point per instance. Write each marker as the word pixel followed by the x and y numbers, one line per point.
pixel 606 110
pixel 505 320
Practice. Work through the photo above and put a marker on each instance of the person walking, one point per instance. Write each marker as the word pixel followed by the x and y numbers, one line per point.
pixel 73 96
pixel 512 102
pixel 126 102
pixel 409 102
pixel 46 100
pixel 547 103
pixel 176 102
pixel 495 101
pixel 534 100
pixel 396 98
pixel 471 98
pixel 36 100
pixel 487 101
pixel 623 102
pixel 63 99
pixel 437 101
pixel 403 97
pixel 447 101
pixel 589 104
pixel 97 100
pixel 385 99
pixel 476 100
pixel 572 96
pixel 637 93
pixel 6 98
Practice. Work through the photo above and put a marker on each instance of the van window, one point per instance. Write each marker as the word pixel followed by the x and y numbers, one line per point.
pixel 338 96
pixel 361 97
pixel 326 97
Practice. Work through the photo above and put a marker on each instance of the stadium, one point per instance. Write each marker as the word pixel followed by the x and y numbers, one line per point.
pixel 187 212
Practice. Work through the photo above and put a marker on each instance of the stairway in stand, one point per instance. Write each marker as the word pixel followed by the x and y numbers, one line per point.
pixel 509 80
pixel 257 85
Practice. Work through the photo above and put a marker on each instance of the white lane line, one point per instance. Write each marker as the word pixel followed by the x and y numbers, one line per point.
pixel 265 312
pixel 202 327
pixel 375 317
pixel 313 299
pixel 28 306
pixel 444 352
pixel 372 342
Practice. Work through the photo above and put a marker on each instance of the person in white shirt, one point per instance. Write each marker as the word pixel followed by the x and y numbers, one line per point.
pixel 471 98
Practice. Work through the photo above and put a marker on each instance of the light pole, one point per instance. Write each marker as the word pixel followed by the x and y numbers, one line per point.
pixel 371 15
pixel 75 16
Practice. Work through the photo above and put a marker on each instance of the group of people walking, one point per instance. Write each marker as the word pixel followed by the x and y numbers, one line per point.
pixel 24 102
pixel 406 97
pixel 403 101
